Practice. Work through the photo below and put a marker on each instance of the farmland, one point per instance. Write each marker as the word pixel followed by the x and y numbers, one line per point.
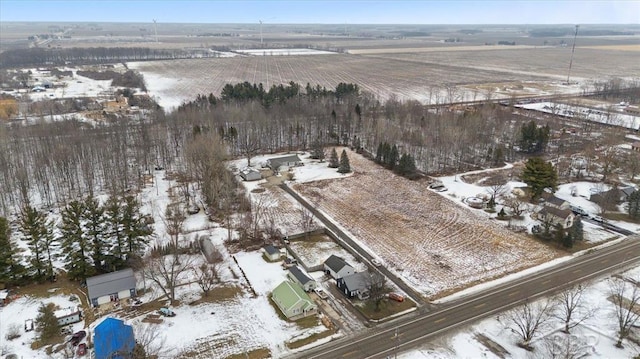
pixel 434 244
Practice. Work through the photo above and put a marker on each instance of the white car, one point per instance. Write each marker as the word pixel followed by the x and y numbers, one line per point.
pixel 321 293
pixel 376 262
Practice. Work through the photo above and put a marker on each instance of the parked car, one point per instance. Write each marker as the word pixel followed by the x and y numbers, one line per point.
pixel 166 312
pixel 597 219
pixel 82 349
pixel 579 211
pixel 66 330
pixel 321 293
pixel 77 337
pixel 397 297
pixel 28 325
pixel 376 262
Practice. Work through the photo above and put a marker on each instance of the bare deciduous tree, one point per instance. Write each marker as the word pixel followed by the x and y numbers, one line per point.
pixel 149 338
pixel 207 277
pixel 627 306
pixel 565 346
pixel 377 287
pixel 166 272
pixel 516 204
pixel 307 220
pixel 528 319
pixel 571 307
pixel 173 221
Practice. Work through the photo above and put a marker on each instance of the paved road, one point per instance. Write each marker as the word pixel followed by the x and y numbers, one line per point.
pixel 381 341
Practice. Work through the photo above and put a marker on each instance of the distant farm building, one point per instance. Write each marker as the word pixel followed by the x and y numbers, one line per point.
pixel 250 174
pixel 113 340
pixel 111 287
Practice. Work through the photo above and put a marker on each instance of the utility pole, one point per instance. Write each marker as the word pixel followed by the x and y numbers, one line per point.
pixel 573 49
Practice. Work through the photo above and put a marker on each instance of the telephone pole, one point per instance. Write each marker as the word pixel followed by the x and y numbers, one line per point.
pixel 573 49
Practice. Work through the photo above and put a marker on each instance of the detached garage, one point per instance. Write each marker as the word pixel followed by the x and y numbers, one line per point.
pixel 111 287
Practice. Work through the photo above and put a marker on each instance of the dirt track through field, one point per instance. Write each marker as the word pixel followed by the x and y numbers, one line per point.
pixel 436 245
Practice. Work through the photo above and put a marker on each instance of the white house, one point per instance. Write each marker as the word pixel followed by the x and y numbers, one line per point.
pixel 337 267
pixel 284 161
pixel 297 275
pixel 555 215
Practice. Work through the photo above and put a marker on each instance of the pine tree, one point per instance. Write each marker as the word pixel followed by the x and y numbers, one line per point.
pixel 539 175
pixel 114 231
pixel 334 162
pixel 33 229
pixel 633 205
pixel 75 243
pixel 344 167
pixel 11 270
pixel 134 227
pixel 379 153
pixel 46 322
pixel 567 240
pixel 317 151
pixel 392 159
pixel 576 230
pixel 558 233
pixel 95 230
pixel 407 166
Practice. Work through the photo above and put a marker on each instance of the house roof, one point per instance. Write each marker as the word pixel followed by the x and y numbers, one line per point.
pixel 291 294
pixel 336 263
pixel 301 276
pixel 554 200
pixel 65 312
pixel 357 281
pixel 627 191
pixel 112 336
pixel 283 159
pixel 560 213
pixel 271 249
pixel 110 283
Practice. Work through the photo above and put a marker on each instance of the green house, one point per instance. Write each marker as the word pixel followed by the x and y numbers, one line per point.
pixel 292 301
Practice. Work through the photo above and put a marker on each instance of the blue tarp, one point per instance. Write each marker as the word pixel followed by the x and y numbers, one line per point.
pixel 113 339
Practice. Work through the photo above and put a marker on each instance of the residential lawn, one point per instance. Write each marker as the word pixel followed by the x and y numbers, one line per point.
pixel 310 339
pixel 261 353
pixel 219 294
pixel 620 216
pixel 387 308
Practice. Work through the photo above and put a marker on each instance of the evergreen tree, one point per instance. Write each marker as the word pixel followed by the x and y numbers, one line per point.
pixel 567 240
pixel 334 162
pixel 11 270
pixel 576 231
pixel 344 167
pixel 33 229
pixel 76 244
pixel 114 231
pixel 407 166
pixel 633 205
pixel 134 227
pixel 379 153
pixel 392 160
pixel 558 233
pixel 317 151
pixel 46 322
pixel 539 175
pixel 95 230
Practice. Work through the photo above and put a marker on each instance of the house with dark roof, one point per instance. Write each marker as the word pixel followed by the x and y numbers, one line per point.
pixel 113 340
pixel 337 267
pixel 293 301
pixel 355 285
pixel 273 254
pixel 284 161
pixel 552 201
pixel 111 287
pixel 564 217
pixel 297 275
pixel 617 195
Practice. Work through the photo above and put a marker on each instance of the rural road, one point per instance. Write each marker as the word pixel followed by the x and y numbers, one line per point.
pixel 414 330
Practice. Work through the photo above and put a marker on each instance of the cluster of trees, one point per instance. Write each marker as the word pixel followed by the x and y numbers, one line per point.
pixel 341 164
pixel 533 139
pixel 91 239
pixel 130 78
pixel 89 55
pixel 389 156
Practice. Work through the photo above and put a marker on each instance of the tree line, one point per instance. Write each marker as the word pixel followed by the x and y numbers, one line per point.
pixel 91 238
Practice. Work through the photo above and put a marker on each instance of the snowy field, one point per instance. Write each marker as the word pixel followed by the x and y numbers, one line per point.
pixel 284 52
pixel 601 116
pixel 594 338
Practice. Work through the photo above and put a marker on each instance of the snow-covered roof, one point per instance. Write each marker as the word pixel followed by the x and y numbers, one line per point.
pixel 65 312
pixel 4 294
pixel 110 283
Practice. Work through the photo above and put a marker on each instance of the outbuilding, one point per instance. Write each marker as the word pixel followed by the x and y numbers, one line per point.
pixel 113 339
pixel 111 287
pixel 68 315
pixel 272 253
pixel 250 174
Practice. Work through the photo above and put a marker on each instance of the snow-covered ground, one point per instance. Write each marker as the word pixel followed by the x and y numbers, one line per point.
pixel 594 338
pixel 284 52
pixel 612 118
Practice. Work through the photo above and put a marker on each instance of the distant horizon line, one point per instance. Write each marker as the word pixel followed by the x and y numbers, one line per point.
pixel 310 23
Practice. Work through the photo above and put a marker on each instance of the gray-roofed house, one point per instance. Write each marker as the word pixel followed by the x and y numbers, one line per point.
pixel 284 161
pixel 553 201
pixel 250 174
pixel 272 253
pixel 564 217
pixel 111 287
pixel 337 267
pixel 355 285
pixel 297 275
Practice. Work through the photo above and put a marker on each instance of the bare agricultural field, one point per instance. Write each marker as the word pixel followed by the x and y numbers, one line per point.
pixel 434 244
pixel 635 47
pixel 390 50
pixel 175 81
pixel 588 63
